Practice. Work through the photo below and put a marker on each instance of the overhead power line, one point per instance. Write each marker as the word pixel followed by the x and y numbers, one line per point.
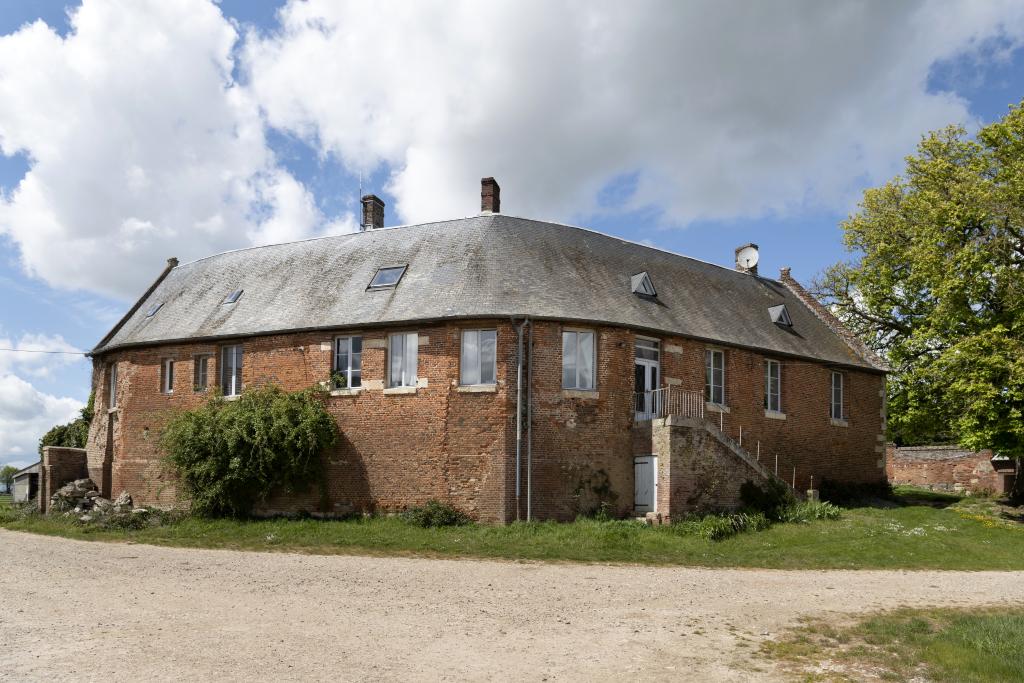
pixel 70 353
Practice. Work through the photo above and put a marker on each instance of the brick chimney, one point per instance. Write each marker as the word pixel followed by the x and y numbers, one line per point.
pixel 490 196
pixel 373 212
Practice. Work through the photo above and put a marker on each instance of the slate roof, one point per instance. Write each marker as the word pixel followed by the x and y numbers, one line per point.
pixel 487 266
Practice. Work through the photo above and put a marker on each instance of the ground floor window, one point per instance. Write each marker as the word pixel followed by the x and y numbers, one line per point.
pixel 231 370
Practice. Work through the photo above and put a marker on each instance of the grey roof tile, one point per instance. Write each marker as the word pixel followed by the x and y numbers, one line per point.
pixel 484 266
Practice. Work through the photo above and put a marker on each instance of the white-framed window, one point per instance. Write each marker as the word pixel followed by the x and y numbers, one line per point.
pixel 403 349
pixel 837 396
pixel 167 376
pixel 479 362
pixel 347 370
pixel 231 370
pixel 112 386
pixel 714 376
pixel 201 372
pixel 773 386
pixel 578 360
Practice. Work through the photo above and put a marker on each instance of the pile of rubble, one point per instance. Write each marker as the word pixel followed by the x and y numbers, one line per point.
pixel 82 499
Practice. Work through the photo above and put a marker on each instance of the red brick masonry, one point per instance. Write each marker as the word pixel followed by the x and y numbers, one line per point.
pixel 948 468
pixel 447 442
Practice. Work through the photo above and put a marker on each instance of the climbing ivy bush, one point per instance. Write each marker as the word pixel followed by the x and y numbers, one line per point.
pixel 229 455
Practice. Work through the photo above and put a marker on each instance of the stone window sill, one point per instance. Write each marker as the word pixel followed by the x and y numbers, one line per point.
pixel 113 411
pixel 838 423
pixel 350 391
pixel 395 391
pixel 477 388
pixel 716 407
pixel 580 393
pixel 233 397
pixel 774 415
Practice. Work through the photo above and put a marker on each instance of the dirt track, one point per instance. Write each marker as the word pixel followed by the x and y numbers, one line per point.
pixel 91 611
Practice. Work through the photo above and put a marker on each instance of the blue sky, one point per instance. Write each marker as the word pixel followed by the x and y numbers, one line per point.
pixel 664 134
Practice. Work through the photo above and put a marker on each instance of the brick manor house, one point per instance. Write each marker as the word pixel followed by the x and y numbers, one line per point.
pixel 511 367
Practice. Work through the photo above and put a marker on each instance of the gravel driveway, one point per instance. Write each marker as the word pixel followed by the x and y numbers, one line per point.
pixel 92 611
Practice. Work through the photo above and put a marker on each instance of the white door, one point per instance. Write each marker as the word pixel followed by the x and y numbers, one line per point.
pixel 645 483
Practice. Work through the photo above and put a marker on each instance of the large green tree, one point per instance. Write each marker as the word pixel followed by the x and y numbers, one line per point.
pixel 935 283
pixel 74 434
pixel 7 473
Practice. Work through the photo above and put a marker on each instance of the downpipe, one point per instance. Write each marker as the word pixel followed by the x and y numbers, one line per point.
pixel 520 328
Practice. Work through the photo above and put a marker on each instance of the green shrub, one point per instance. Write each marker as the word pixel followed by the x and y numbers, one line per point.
pixel 770 499
pixel 848 494
pixel 435 514
pixel 229 455
pixel 809 511
pixel 718 527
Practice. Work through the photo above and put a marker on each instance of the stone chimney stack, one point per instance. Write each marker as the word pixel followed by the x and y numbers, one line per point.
pixel 490 196
pixel 746 258
pixel 373 212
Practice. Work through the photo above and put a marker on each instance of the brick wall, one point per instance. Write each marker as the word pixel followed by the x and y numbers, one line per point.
pixel 397 450
pixel 59 466
pixel 945 468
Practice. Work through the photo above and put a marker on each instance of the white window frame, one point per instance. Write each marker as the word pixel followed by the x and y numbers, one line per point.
pixel 353 375
pixel 231 386
pixel 202 361
pixel 573 348
pixel 167 376
pixel 769 395
pixel 403 359
pixel 709 375
pixel 472 367
pixel 112 386
pixel 842 396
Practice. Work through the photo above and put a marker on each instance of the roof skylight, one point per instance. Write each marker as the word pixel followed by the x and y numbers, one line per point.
pixel 233 297
pixel 153 309
pixel 642 285
pixel 780 316
pixel 387 277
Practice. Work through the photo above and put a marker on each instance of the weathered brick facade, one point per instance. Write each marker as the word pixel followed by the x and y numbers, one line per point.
pixel 398 449
pixel 949 468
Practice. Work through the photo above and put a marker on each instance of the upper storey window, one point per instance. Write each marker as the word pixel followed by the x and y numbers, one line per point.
pixel 231 370
pixel 780 315
pixel 714 376
pixel 112 386
pixel 387 277
pixel 578 360
pixel 642 285
pixel 479 361
pixel 233 297
pixel 403 351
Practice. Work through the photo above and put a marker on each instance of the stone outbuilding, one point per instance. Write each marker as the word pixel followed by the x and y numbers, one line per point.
pixel 512 367
pixel 950 468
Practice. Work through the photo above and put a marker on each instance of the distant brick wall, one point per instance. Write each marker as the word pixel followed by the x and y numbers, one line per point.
pixel 441 442
pixel 59 466
pixel 945 468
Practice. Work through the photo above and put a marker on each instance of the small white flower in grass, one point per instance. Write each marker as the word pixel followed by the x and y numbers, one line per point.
pixel 271 538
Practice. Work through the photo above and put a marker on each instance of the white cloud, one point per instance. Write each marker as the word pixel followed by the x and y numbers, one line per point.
pixel 721 109
pixel 38 365
pixel 141 146
pixel 25 415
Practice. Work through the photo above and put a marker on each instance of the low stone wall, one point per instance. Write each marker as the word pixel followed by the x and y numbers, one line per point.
pixel 59 466
pixel 946 468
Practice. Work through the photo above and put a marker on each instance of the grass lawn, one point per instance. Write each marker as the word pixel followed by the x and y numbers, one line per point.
pixel 924 532
pixel 5 500
pixel 932 644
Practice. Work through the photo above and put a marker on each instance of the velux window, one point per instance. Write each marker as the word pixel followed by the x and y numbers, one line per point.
pixel 231 370
pixel 578 360
pixel 479 363
pixel 402 351
pixel 773 386
pixel 153 309
pixel 348 363
pixel 387 277
pixel 201 373
pixel 167 376
pixel 714 376
pixel 837 396
pixel 232 297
